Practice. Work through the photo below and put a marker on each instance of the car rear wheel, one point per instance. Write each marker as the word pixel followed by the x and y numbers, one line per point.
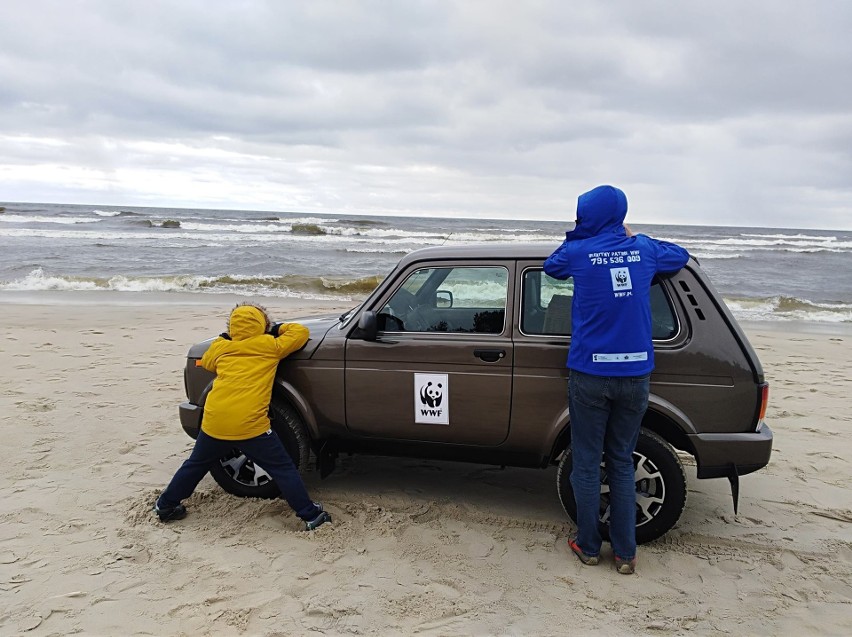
pixel 238 475
pixel 660 488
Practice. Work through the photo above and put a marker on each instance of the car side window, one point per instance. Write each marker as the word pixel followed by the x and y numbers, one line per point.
pixel 456 299
pixel 546 307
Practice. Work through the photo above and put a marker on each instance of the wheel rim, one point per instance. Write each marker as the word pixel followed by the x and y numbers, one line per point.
pixel 650 490
pixel 242 470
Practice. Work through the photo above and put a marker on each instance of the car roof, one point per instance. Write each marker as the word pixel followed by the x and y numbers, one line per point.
pixel 518 250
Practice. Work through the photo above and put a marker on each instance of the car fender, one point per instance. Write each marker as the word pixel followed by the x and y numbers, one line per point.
pixel 663 407
pixel 662 417
pixel 202 400
pixel 291 394
pixel 559 435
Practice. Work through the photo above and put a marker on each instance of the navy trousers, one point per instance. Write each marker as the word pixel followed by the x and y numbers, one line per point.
pixel 265 450
pixel 606 416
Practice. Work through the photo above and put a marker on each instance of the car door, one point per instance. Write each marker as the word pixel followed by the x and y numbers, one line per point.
pixel 541 347
pixel 440 368
pixel 540 387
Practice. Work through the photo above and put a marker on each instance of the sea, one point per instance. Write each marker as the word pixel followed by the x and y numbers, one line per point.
pixel 764 274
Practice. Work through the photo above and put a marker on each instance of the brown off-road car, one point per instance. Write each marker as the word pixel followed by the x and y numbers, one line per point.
pixel 460 354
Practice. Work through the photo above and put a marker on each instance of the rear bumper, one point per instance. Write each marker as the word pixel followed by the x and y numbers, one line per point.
pixel 190 418
pixel 718 454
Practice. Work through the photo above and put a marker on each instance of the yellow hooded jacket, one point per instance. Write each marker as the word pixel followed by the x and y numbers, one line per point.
pixel 238 405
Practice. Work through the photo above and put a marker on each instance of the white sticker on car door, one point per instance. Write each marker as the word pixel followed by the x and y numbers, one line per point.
pixel 432 399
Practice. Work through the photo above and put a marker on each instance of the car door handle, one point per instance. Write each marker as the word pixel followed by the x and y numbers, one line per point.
pixel 490 355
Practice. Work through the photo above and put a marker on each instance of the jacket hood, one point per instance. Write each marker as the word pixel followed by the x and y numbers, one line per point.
pixel 247 321
pixel 600 210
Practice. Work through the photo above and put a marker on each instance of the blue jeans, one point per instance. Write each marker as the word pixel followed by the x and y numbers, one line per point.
pixel 265 450
pixel 606 415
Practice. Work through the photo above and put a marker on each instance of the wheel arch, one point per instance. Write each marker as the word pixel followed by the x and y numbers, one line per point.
pixel 283 390
pixel 670 423
pixel 661 417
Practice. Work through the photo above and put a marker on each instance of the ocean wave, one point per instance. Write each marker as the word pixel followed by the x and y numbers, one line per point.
pixel 316 227
pixel 38 280
pixel 307 228
pixel 704 256
pixel 378 250
pixel 290 285
pixel 275 219
pixel 365 222
pixel 810 237
pixel 165 223
pixel 157 234
pixel 786 308
pixel 38 219
pixel 736 243
pixel 107 213
pixel 261 232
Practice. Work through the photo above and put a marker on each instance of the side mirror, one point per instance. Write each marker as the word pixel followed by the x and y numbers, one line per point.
pixel 443 298
pixel 367 326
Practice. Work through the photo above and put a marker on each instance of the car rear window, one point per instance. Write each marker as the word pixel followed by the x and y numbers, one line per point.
pixel 546 307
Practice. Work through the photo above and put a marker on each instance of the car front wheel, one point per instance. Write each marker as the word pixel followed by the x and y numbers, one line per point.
pixel 660 488
pixel 238 475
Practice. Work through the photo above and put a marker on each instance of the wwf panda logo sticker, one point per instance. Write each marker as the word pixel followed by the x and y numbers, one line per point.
pixel 620 279
pixel 432 399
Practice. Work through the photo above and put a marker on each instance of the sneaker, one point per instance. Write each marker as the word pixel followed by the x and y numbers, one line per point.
pixel 588 560
pixel 167 515
pixel 321 518
pixel 625 567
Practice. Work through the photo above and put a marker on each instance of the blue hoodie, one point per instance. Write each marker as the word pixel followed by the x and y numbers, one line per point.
pixel 611 309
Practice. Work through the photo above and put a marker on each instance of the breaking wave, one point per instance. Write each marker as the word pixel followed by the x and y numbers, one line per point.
pixel 288 285
pixel 786 308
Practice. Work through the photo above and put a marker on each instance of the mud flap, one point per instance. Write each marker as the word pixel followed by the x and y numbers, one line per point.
pixel 734 479
pixel 326 461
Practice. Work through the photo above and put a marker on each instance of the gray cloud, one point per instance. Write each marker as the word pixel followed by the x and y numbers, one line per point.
pixel 728 113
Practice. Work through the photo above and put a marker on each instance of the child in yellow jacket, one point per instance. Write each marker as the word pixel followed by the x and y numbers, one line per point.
pixel 236 413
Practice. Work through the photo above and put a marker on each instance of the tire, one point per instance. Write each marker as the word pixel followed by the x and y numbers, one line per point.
pixel 239 476
pixel 660 488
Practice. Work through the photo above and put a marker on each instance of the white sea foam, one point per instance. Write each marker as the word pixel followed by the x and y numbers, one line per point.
pixel 701 255
pixel 7 218
pixel 378 250
pixel 38 280
pixel 781 308
pixel 107 213
pixel 269 226
pixel 790 236
pixel 822 243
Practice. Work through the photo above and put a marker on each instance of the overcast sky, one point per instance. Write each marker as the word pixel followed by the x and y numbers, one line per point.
pixel 723 113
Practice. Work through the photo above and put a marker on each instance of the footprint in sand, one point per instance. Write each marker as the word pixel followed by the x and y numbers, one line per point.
pixel 127 448
pixel 35 406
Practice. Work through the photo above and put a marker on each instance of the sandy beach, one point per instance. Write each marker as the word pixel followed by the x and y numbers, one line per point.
pixel 88 415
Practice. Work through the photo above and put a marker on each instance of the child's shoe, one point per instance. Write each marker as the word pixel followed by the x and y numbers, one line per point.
pixel 167 515
pixel 588 560
pixel 321 518
pixel 625 567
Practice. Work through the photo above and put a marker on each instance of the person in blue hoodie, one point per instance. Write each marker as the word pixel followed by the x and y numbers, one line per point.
pixel 610 361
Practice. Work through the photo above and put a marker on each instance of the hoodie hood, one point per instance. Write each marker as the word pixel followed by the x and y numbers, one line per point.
pixel 247 321
pixel 600 210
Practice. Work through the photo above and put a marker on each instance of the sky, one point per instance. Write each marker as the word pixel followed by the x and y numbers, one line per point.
pixel 713 113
